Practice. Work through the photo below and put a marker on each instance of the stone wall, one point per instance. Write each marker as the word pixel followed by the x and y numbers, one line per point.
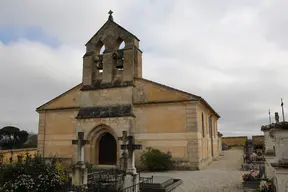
pixel 235 141
pixel 209 139
pixel 104 97
pixel 60 130
pixel 177 135
pixel 7 154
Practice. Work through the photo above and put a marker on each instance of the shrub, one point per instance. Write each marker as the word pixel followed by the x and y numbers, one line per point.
pixel 155 160
pixel 37 174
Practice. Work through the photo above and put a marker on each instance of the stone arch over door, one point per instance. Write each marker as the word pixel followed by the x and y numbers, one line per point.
pixel 95 136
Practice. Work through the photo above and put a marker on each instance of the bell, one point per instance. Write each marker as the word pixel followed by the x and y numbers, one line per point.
pixel 99 66
pixel 119 61
pixel 115 56
pixel 98 58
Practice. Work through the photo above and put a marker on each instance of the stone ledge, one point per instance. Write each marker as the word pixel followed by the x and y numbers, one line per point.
pixel 99 85
pixel 104 112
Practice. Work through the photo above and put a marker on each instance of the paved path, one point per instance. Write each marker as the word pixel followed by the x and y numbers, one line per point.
pixel 223 175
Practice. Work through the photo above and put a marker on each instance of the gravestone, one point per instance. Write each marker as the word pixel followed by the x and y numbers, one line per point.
pixel 79 175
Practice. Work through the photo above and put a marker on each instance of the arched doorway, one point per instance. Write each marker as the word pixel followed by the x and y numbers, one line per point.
pixel 107 150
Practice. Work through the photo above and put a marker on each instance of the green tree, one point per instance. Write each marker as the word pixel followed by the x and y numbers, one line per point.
pixel 12 138
pixel 31 141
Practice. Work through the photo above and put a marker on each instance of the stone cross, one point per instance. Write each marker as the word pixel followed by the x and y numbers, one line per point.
pixel 80 142
pixel 124 137
pixel 110 15
pixel 131 178
pixel 124 155
pixel 131 147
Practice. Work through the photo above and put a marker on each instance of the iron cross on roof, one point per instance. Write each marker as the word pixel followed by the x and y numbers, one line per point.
pixel 131 146
pixel 110 15
pixel 80 142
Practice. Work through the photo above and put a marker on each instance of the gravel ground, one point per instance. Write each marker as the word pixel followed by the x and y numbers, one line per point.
pixel 222 175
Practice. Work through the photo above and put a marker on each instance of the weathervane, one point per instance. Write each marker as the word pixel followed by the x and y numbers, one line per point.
pixel 110 15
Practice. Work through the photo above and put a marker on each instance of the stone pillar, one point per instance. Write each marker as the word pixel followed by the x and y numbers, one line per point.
pixel 79 174
pixel 107 68
pixel 131 177
pixel 87 69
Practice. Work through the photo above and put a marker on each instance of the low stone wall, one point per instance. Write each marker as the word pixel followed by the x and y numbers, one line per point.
pixel 6 154
pixel 235 141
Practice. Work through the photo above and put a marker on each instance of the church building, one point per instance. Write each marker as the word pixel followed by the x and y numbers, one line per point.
pixel 114 97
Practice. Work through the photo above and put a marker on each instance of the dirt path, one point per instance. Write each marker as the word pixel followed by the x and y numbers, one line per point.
pixel 222 175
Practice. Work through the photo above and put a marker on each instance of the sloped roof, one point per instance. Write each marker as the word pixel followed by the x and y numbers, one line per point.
pixel 42 106
pixel 112 22
pixel 199 98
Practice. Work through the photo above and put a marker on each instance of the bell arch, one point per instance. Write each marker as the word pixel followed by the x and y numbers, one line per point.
pixel 99 47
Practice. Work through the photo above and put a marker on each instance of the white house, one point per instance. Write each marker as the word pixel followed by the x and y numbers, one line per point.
pixel 276 153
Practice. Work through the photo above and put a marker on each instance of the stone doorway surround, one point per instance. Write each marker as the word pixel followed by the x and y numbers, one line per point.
pixel 92 150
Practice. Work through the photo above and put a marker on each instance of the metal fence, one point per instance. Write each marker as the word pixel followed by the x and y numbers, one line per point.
pixel 142 182
pixel 106 180
pixel 111 180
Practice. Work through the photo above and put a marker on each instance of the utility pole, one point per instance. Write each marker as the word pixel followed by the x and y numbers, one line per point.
pixel 282 109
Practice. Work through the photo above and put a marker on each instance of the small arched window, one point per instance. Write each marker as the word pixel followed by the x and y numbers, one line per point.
pixel 102 50
pixel 122 45
pixel 203 127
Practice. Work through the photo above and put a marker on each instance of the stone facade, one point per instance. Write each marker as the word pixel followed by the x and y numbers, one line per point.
pixel 113 97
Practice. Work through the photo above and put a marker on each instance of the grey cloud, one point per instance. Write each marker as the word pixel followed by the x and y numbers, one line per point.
pixel 232 53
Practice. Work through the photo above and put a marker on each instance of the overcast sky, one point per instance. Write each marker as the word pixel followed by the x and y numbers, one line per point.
pixel 232 53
